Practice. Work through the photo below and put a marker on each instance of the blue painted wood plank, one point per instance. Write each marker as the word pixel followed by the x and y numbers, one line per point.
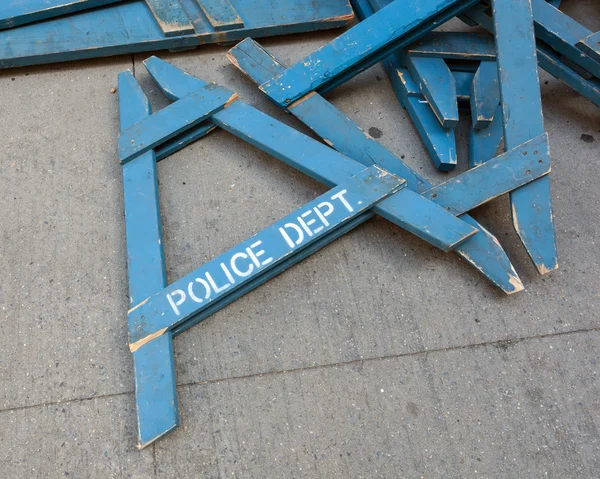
pixel 484 144
pixel 440 142
pixel 221 14
pixel 551 62
pixel 590 45
pixel 523 121
pixel 437 85
pixel 548 59
pixel 317 160
pixel 130 27
pixel 14 13
pixel 395 26
pixel 156 395
pixel 455 45
pixel 171 17
pixel 463 81
pixel 485 94
pixel 497 176
pixel 563 34
pixel 482 250
pixel 221 276
pixel 173 120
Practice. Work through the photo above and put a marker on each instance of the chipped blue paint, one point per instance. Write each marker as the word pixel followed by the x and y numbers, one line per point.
pixel 482 250
pixel 130 27
pixel 156 395
pixel 372 40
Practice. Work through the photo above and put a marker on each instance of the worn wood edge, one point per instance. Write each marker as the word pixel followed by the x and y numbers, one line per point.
pixel 133 347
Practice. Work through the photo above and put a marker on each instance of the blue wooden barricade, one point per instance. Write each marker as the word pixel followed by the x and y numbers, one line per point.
pixel 42 33
pixel 532 212
pixel 360 189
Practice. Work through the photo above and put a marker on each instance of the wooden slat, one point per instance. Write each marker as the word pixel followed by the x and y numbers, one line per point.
pixel 396 26
pixel 317 160
pixel 484 144
pixel 437 85
pixel 221 14
pixel 482 250
pixel 14 13
pixel 548 59
pixel 495 177
pixel 154 368
pixel 485 94
pixel 523 121
pixel 222 276
pixel 455 45
pixel 590 45
pixel 171 18
pixel 563 34
pixel 173 120
pixel 130 27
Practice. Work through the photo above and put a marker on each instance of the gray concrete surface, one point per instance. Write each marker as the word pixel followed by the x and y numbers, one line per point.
pixel 378 357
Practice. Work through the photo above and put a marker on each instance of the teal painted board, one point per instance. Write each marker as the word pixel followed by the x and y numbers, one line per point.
pixel 173 120
pixel 156 394
pixel 440 142
pixel 14 13
pixel 318 161
pixel 437 85
pixel 455 46
pixel 129 27
pixel 395 26
pixel 183 139
pixel 271 273
pixel 552 63
pixel 523 121
pixel 563 34
pixel 590 45
pixel 171 17
pixel 463 81
pixel 188 296
pixel 484 144
pixel 548 59
pixel 221 14
pixel 482 250
pixel 507 172
pixel 485 94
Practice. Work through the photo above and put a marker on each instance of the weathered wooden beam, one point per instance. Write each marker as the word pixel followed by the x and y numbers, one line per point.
pixel 485 143
pixel 188 296
pixel 590 45
pixel 171 17
pixel 455 46
pixel 156 395
pixel 221 14
pixel 130 27
pixel 173 120
pixel 395 26
pixel 548 59
pixel 523 121
pixel 482 250
pixel 426 220
pixel 437 85
pixel 485 94
pixel 564 35
pixel 14 13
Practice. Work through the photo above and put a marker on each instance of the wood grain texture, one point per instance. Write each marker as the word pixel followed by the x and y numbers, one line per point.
pixel 14 13
pixel 395 26
pixel 482 250
pixel 130 27
pixel 221 14
pixel 154 364
pixel 523 121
